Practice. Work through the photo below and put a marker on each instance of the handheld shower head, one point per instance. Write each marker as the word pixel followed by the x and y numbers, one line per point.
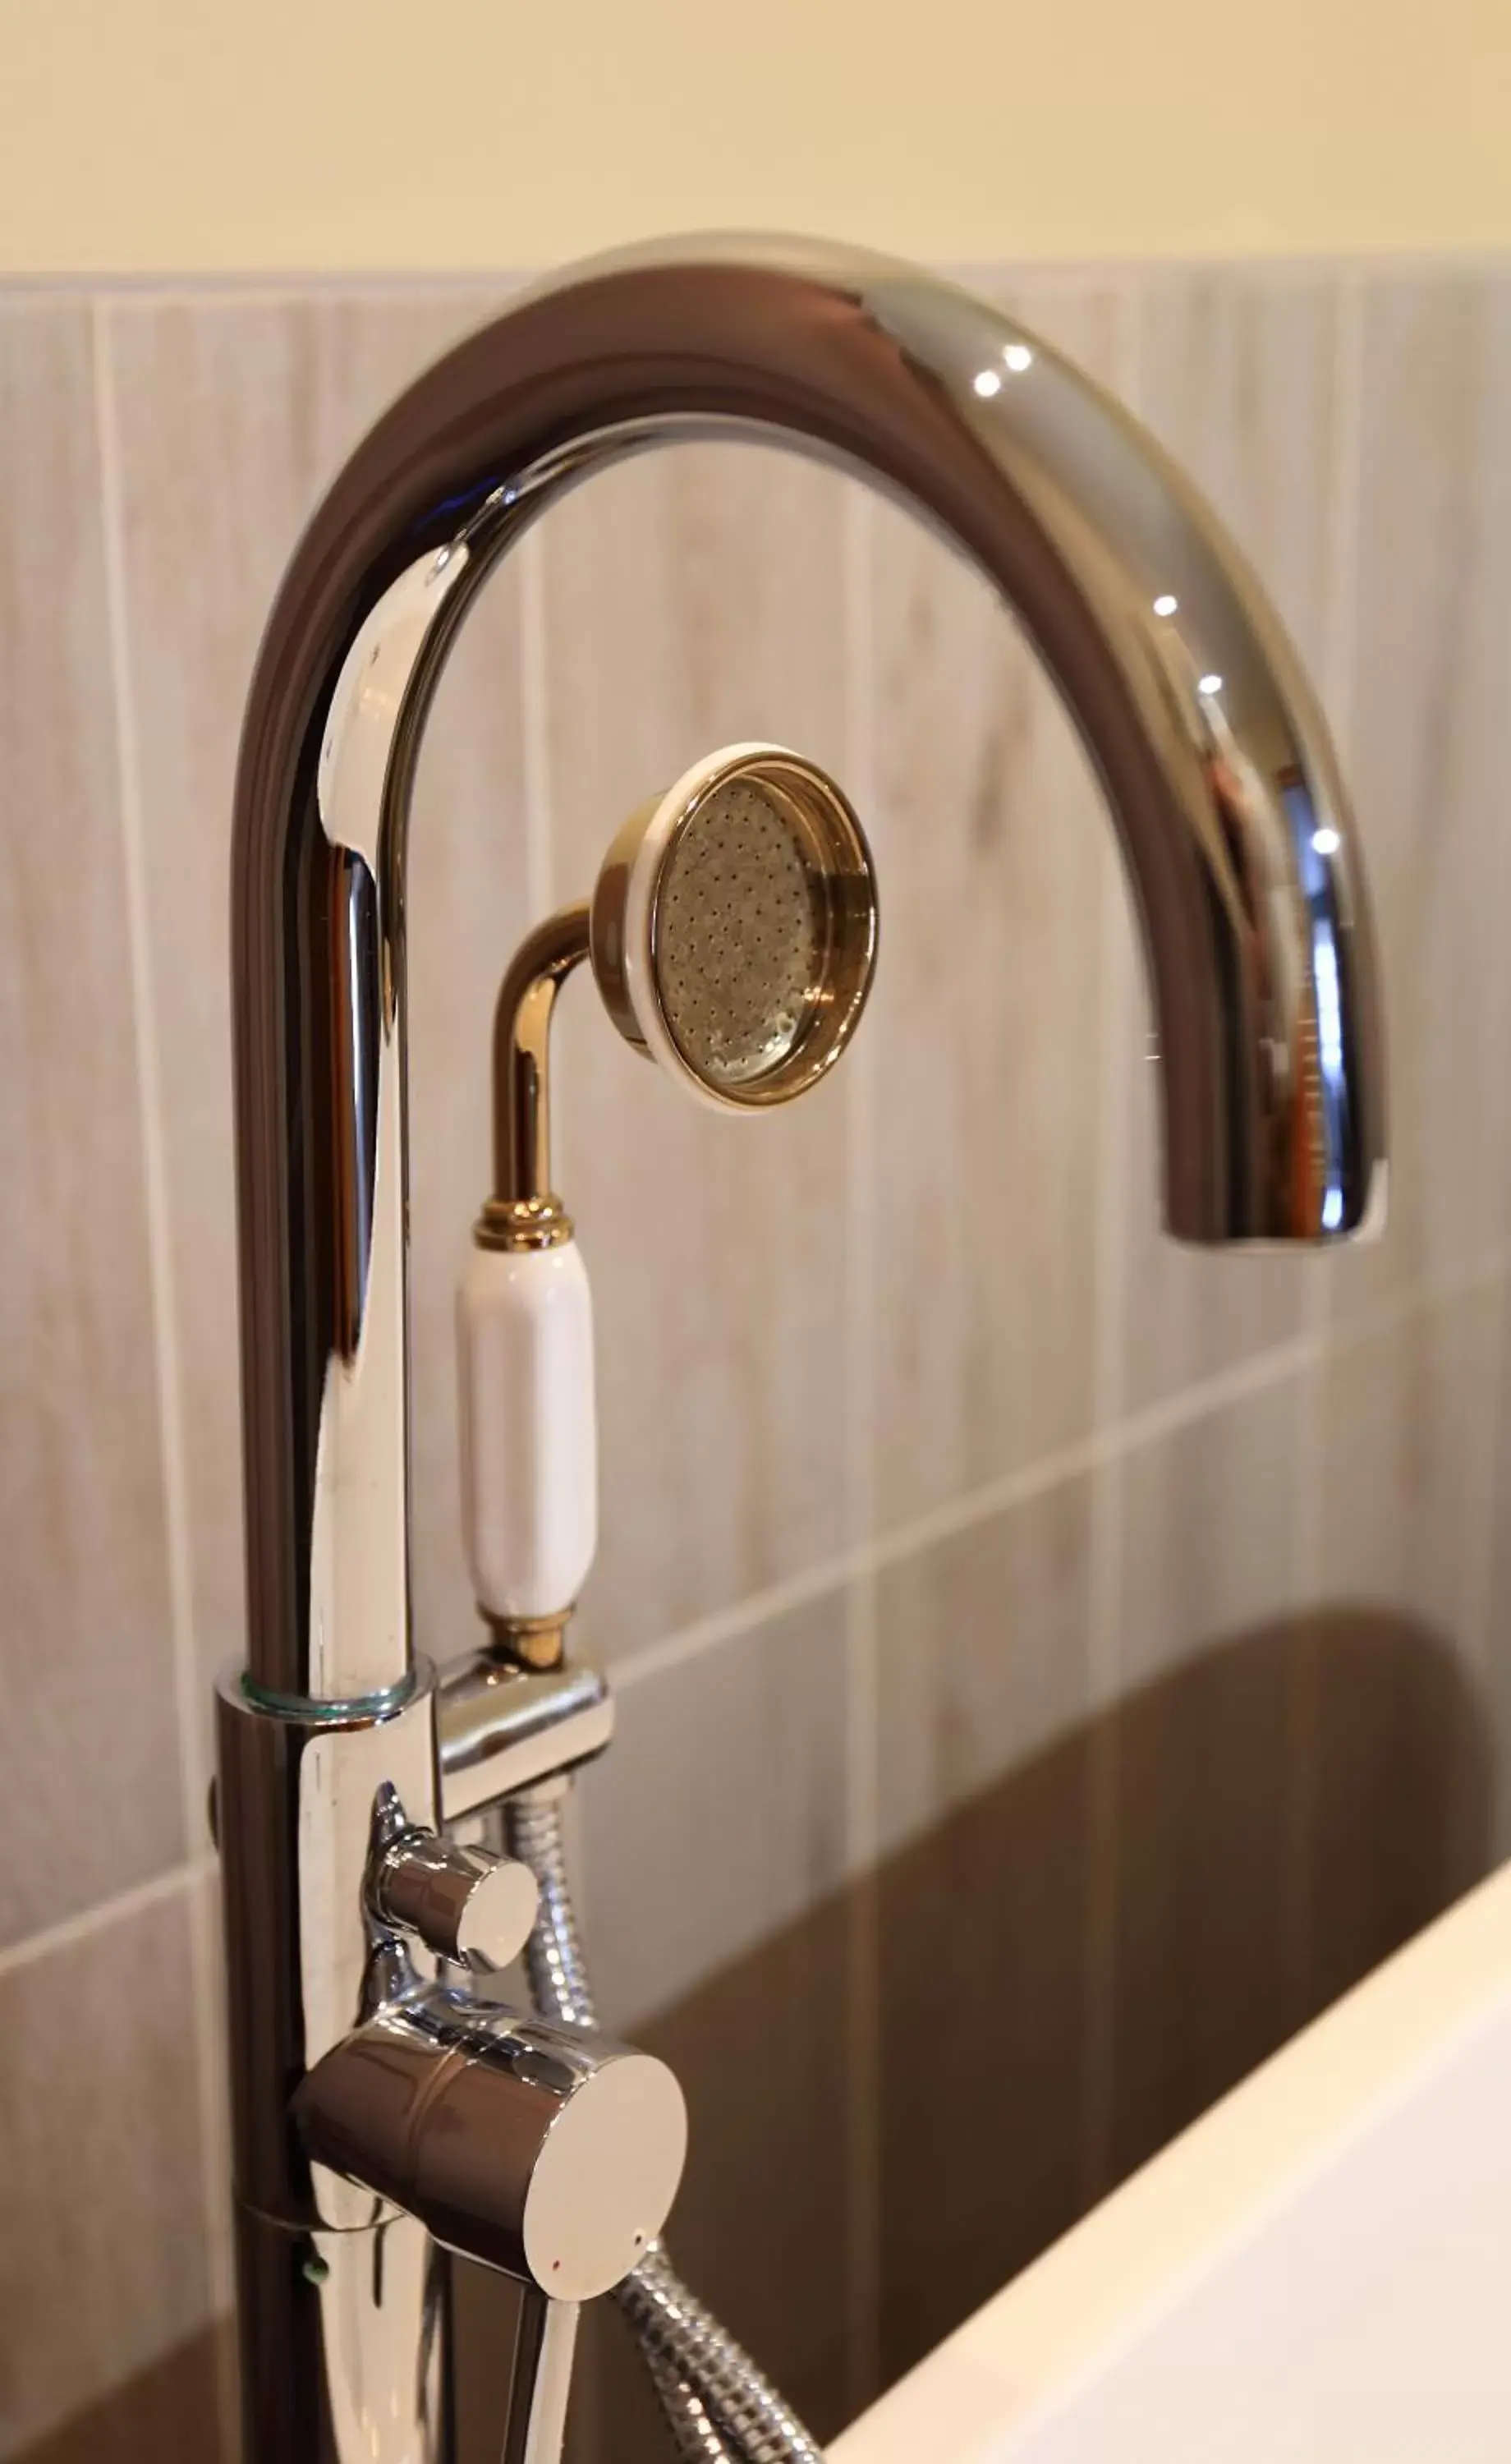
pixel 733 934
pixel 733 927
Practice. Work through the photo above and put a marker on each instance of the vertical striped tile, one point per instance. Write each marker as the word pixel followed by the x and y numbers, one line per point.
pixel 89 1776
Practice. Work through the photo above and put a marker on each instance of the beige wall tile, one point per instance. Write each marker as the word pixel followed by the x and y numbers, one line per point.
pixel 718 1814
pixel 168 2413
pixel 1239 377
pixel 1431 656
pixel 1200 1758
pixel 981 1909
pixel 1210 1526
pixel 231 416
pixel 694 599
pixel 984 1040
pixel 983 1655
pixel 101 2227
pixel 89 1783
pixel 1399 1790
pixel 1408 1430
pixel 1403 1663
pixel 1285 1786
pixel 1497 1595
pixel 208 1975
pixel 982 2047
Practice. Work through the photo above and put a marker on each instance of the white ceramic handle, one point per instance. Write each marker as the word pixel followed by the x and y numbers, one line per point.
pixel 528 1428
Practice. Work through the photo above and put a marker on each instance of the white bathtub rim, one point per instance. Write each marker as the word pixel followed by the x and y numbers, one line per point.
pixel 1032 2351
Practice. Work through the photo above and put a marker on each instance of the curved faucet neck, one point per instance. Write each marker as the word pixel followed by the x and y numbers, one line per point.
pixel 1217 765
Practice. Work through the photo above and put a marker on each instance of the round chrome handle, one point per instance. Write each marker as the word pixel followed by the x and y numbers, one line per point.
pixel 550 2152
pixel 464 1904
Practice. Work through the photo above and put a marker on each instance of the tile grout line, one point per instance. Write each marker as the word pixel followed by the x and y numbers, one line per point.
pixel 71 1933
pixel 270 288
pixel 1478 1509
pixel 1342 584
pixel 1106 1637
pixel 1416 1300
pixel 1337 662
pixel 1155 1420
pixel 1119 995
pixel 1483 1598
pixel 860 1130
pixel 1483 1590
pixel 1268 1370
pixel 860 1564
pixel 862 1676
pixel 148 1075
pixel 191 1777
pixel 181 286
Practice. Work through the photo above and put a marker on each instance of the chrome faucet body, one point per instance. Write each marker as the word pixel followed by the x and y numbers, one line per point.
pixel 1239 851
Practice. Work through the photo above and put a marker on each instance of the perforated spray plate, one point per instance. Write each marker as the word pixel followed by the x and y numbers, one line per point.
pixel 740 928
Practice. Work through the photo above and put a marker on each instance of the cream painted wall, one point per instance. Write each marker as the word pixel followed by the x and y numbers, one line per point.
pixel 153 135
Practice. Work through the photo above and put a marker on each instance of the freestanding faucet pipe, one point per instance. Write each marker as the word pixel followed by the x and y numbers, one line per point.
pixel 1240 854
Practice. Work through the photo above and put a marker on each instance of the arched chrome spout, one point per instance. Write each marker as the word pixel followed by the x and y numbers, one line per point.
pixel 1215 761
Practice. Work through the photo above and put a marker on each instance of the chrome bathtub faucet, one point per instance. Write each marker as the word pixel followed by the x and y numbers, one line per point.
pixel 386 2109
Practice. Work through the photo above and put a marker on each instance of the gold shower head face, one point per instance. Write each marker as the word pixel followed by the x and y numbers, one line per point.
pixel 733 927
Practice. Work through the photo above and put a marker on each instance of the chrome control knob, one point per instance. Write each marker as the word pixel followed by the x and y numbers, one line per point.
pixel 464 1904
pixel 550 2152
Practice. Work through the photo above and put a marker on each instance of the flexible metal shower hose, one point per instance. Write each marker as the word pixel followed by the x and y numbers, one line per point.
pixel 717 2406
